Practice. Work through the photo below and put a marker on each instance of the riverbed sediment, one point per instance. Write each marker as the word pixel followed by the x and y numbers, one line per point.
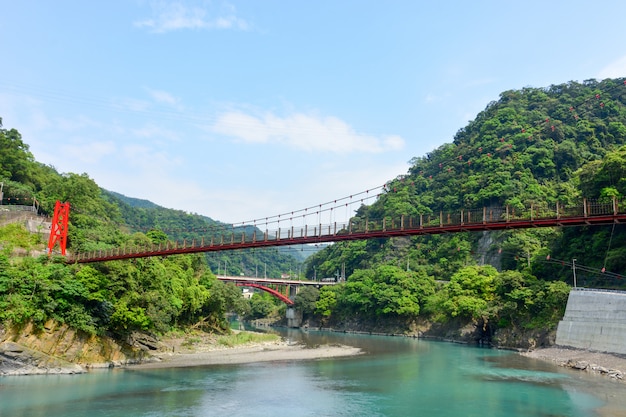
pixel 258 352
pixel 608 364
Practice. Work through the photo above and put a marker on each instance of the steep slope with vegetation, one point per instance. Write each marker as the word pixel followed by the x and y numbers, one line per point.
pixel 142 216
pixel 535 145
pixel 115 298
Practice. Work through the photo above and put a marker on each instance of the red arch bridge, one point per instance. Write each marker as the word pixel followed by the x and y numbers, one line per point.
pixel 283 289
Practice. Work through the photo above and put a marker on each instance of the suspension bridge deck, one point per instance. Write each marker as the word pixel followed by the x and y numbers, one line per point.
pixel 486 219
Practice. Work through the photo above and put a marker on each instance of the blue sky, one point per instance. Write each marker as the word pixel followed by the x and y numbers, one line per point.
pixel 244 109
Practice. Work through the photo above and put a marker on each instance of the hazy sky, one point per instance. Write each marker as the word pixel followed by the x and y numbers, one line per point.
pixel 245 109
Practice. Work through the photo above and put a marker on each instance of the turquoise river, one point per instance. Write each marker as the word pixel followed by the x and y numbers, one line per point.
pixel 395 377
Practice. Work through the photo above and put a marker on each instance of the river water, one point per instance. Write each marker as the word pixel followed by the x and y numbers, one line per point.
pixel 395 377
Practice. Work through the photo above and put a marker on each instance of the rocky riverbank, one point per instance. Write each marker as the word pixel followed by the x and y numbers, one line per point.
pixel 16 359
pixel 59 350
pixel 610 365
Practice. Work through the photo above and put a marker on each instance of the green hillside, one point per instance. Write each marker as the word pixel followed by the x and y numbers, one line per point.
pixel 155 294
pixel 539 145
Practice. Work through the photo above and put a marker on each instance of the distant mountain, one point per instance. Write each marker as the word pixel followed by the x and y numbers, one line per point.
pixel 133 202
pixel 155 216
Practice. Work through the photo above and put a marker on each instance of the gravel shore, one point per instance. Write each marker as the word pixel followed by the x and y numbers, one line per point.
pixel 611 365
pixel 262 352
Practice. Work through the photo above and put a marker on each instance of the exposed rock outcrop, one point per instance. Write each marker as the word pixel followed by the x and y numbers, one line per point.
pixel 16 359
pixel 59 349
pixel 521 339
pixel 479 332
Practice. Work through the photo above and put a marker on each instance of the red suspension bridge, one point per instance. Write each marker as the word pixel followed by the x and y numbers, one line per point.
pixel 585 213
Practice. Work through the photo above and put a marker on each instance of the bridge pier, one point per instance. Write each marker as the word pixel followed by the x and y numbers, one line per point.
pixel 294 317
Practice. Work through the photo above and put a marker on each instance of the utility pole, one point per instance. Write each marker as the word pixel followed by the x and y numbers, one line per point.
pixel 574 270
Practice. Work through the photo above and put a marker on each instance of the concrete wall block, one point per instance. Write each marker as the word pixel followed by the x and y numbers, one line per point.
pixel 594 320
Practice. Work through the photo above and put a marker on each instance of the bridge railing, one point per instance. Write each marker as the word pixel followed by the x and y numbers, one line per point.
pixel 16 207
pixel 371 226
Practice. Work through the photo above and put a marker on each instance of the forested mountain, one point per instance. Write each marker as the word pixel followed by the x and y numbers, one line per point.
pixel 153 294
pixel 132 202
pixel 540 145
pixel 143 216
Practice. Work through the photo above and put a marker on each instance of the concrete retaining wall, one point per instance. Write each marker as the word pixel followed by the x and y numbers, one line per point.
pixel 594 320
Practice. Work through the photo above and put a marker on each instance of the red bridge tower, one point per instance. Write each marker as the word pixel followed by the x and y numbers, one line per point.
pixel 58 232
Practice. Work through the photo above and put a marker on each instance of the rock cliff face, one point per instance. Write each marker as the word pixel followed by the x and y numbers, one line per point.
pixel 58 349
pixel 16 359
pixel 524 340
pixel 458 331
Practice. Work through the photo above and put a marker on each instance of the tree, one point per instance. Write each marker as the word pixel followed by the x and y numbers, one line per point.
pixel 327 301
pixel 468 293
pixel 306 299
pixel 16 161
pixel 261 305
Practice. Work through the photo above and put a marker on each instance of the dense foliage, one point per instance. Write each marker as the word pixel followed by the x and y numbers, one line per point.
pixel 535 145
pixel 147 294
pixel 143 216
pixel 151 294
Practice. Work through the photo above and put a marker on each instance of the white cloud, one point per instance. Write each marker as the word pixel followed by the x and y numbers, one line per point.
pixel 615 69
pixel 179 15
pixel 158 102
pixel 146 159
pixel 151 182
pixel 89 153
pixel 330 182
pixel 164 97
pixel 152 131
pixel 131 104
pixel 431 98
pixel 76 123
pixel 23 112
pixel 304 132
